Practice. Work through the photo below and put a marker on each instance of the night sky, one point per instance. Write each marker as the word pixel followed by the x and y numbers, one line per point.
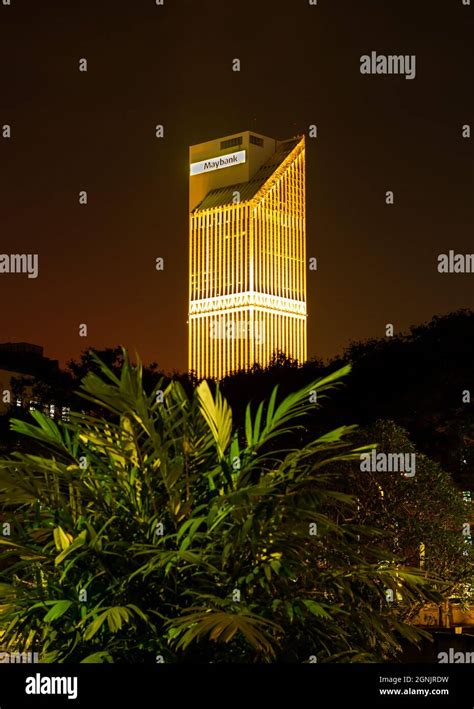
pixel 172 65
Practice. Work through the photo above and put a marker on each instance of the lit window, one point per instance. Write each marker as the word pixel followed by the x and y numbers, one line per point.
pixel 231 142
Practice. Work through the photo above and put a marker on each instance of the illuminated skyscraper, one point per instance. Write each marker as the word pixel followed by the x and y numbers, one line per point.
pixel 247 284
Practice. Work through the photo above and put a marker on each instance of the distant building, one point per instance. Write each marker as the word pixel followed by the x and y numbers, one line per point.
pixel 22 359
pixel 247 289
pixel 26 358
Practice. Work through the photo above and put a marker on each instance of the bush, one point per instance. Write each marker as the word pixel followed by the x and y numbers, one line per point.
pixel 157 532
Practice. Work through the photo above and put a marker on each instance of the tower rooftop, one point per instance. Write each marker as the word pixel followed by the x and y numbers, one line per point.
pixel 225 195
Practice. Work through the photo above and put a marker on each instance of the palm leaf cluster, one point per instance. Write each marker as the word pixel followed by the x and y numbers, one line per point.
pixel 156 531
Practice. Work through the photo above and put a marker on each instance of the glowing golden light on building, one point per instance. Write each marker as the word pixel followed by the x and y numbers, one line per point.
pixel 247 285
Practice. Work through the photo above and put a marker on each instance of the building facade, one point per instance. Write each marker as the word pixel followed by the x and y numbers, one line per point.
pixel 247 284
pixel 23 366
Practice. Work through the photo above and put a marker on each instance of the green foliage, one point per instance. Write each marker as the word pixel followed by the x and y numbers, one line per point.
pixel 425 508
pixel 159 529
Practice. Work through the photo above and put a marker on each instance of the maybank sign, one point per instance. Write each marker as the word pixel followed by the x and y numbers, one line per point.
pixel 218 163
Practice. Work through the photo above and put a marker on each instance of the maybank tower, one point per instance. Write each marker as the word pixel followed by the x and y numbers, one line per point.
pixel 247 253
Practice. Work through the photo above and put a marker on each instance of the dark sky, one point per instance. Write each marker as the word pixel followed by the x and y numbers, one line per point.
pixel 171 65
